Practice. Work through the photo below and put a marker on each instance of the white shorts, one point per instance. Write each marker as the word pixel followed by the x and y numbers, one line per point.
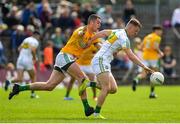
pixel 63 61
pixel 100 65
pixel 24 63
pixel 87 69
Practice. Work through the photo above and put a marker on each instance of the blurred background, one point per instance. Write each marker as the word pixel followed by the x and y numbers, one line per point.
pixel 56 20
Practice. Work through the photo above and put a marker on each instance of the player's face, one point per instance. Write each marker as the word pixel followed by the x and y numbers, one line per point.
pixel 159 32
pixel 96 24
pixel 37 37
pixel 134 30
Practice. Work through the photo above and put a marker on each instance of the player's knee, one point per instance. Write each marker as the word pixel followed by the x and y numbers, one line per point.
pixel 80 76
pixel 113 90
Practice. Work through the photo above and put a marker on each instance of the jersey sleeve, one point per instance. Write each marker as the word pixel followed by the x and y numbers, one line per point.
pixel 157 42
pixel 35 43
pixel 124 41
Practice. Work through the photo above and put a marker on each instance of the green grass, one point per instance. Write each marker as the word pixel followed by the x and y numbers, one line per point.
pixel 124 106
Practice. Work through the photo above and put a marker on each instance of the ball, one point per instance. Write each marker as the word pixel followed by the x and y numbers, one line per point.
pixel 157 78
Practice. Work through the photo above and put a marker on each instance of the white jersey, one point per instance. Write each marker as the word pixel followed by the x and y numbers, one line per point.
pixel 25 56
pixel 115 42
pixel 26 44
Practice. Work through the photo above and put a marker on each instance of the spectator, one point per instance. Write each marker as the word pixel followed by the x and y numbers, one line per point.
pixel 121 61
pixel 87 11
pixel 119 23
pixel 67 34
pixel 3 59
pixel 65 21
pixel 28 13
pixel 45 16
pixel 48 55
pixel 18 36
pixel 176 17
pixel 12 18
pixel 11 72
pixel 138 51
pixel 168 62
pixel 58 40
pixel 106 15
pixel 63 6
pixel 16 39
pixel 129 11
pixel 76 7
pixel 40 7
pixel 76 19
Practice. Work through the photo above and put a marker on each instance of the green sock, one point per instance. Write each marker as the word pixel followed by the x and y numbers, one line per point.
pixel 32 91
pixel 24 87
pixel 137 78
pixel 152 89
pixel 67 93
pixel 93 84
pixel 85 104
pixel 97 109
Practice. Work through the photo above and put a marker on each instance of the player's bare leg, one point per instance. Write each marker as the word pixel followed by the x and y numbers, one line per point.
pixel 91 77
pixel 55 78
pixel 108 85
pixel 82 79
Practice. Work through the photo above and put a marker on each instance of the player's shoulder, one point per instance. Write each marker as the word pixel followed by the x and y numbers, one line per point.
pixel 121 34
pixel 32 40
pixel 80 29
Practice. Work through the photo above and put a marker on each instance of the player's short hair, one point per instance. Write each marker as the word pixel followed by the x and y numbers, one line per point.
pixel 135 22
pixel 93 17
pixel 157 27
pixel 36 32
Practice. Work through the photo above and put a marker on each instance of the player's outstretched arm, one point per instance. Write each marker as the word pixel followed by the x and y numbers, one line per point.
pixel 101 34
pixel 136 60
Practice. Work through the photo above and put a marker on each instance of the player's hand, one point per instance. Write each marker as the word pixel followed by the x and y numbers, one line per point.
pixel 148 70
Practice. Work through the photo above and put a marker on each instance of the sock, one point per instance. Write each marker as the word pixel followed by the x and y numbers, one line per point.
pixel 32 91
pixel 86 81
pixel 137 78
pixel 85 104
pixel 67 93
pixel 152 89
pixel 92 84
pixel 24 87
pixel 97 109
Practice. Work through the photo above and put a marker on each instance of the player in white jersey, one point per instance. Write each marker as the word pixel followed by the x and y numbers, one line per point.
pixel 26 59
pixel 117 40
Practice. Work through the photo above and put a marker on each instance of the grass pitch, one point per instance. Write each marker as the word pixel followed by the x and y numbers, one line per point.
pixel 124 106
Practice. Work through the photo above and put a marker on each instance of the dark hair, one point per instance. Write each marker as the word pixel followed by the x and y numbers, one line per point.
pixel 157 27
pixel 93 17
pixel 36 32
pixel 135 22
